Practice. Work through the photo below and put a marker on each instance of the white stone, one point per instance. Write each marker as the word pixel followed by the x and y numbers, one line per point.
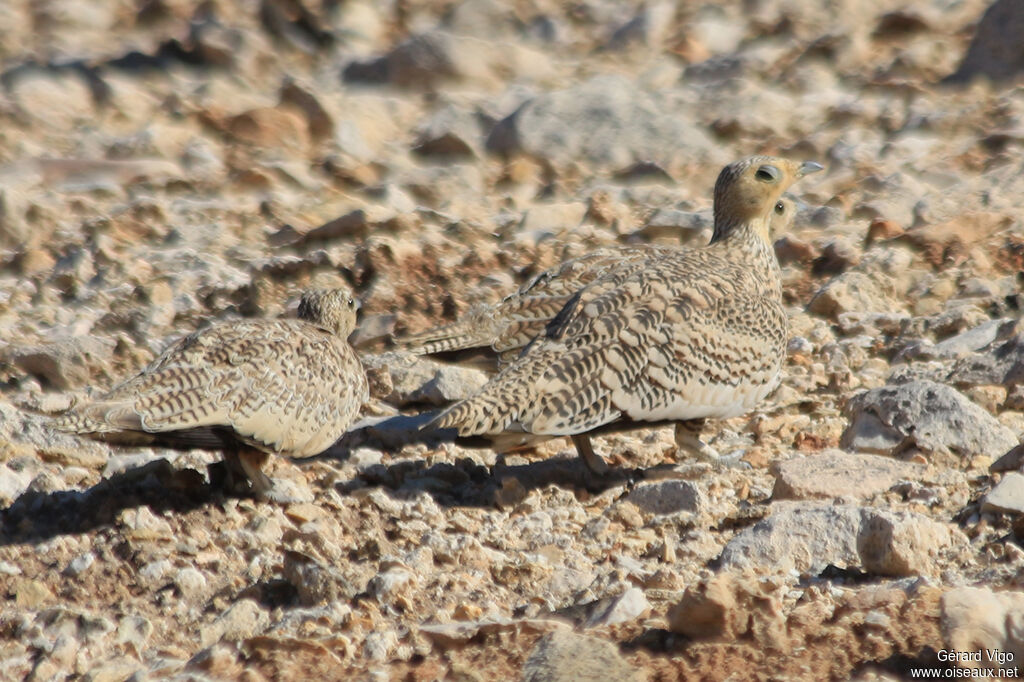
pixel 1007 496
pixel 629 605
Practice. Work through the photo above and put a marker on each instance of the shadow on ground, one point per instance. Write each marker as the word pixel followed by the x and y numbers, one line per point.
pixel 36 516
pixel 464 483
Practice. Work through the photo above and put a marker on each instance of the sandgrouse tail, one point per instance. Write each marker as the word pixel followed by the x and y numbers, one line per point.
pixel 679 335
pixel 251 388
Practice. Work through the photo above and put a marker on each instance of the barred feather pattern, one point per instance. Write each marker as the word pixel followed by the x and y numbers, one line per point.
pixel 681 334
pixel 282 386
pixel 665 343
pixel 511 324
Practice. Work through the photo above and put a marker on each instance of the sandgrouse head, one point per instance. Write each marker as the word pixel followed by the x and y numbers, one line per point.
pixel 333 310
pixel 747 191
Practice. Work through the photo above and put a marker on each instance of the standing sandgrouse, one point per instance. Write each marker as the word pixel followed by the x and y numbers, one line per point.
pixel 680 336
pixel 506 327
pixel 251 388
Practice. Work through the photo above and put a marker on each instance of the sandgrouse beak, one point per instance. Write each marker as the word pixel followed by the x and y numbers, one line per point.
pixel 808 167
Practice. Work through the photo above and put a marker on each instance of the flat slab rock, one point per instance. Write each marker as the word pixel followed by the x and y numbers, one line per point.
pixel 807 537
pixel 840 474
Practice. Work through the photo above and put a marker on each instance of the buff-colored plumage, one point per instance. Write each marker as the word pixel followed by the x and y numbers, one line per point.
pixel 679 335
pixel 508 326
pixel 250 387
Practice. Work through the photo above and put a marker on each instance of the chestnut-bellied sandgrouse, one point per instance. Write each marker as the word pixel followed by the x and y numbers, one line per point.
pixel 251 388
pixel 679 336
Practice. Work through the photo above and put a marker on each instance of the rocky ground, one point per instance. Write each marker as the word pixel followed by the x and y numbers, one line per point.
pixel 169 161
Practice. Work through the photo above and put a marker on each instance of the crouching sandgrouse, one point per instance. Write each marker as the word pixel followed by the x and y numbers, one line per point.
pixel 251 388
pixel 679 335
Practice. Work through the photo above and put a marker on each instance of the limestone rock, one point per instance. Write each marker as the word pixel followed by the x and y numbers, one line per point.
pixel 14 481
pixel 270 127
pixel 977 618
pixel 683 226
pixel 490 18
pixel 243 619
pixel 415 380
pixel 839 474
pixel 1011 461
pixel 722 606
pixel 903 543
pixel 965 342
pixel 647 28
pixel 30 594
pixel 455 634
pixel 134 631
pixel 629 605
pixel 60 99
pixel 427 59
pixel 568 657
pixel 112 671
pixel 450 132
pixel 1007 496
pixel 1002 362
pixel 797 536
pixel 807 537
pixel 549 219
pixel 925 415
pixel 668 497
